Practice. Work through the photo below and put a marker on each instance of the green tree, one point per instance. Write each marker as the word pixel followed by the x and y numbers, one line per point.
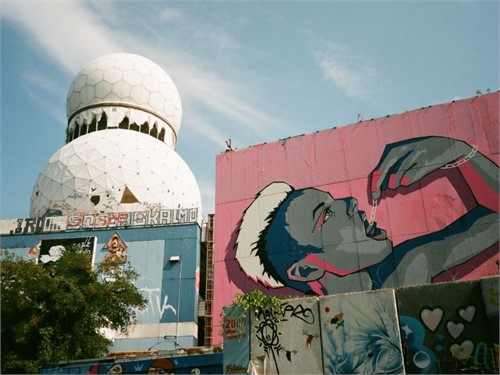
pixel 56 311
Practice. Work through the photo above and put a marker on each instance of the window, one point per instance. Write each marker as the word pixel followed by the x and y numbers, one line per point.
pixel 161 137
pixel 75 130
pixel 83 129
pixel 102 122
pixel 92 126
pixel 124 123
pixel 154 131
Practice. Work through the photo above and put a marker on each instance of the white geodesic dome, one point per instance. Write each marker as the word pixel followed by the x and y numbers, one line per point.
pixel 126 91
pixel 114 170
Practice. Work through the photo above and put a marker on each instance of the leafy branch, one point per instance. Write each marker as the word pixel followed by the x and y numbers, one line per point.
pixel 256 302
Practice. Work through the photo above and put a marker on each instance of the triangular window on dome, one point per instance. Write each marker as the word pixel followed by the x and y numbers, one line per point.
pixel 128 196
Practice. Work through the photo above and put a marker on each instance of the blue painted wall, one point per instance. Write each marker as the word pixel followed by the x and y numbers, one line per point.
pixel 193 364
pixel 171 287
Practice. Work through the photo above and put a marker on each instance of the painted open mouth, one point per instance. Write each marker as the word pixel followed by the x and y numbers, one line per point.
pixel 372 230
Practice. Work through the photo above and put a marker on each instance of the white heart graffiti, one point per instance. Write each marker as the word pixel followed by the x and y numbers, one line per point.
pixel 431 318
pixel 455 329
pixel 467 313
pixel 462 351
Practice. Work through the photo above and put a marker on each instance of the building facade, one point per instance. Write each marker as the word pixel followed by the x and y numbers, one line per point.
pixel 167 259
pixel 119 189
pixel 408 199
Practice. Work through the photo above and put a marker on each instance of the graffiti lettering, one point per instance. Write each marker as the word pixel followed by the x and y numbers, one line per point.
pixel 153 295
pixel 37 225
pixel 299 312
pixel 100 221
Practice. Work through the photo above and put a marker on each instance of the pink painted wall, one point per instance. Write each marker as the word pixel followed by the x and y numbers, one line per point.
pixel 339 161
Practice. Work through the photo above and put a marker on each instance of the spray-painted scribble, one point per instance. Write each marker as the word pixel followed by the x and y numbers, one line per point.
pixel 155 306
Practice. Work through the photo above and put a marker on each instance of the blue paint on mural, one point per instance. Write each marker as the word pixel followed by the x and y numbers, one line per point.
pixel 195 364
pixel 419 359
pixel 360 334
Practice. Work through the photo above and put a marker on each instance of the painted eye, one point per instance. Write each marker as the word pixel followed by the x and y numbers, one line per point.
pixel 322 219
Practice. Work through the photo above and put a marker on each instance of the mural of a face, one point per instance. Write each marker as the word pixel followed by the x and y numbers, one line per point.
pixel 328 238
pixel 310 241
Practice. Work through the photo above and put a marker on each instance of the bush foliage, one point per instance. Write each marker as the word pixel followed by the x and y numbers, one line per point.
pixel 56 311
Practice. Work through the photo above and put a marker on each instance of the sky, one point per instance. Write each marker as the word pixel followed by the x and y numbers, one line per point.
pixel 249 71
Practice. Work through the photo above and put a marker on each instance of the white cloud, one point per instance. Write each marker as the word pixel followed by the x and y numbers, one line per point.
pixel 71 33
pixel 348 70
pixel 353 82
pixel 48 94
pixel 207 131
pixel 65 31
pixel 170 14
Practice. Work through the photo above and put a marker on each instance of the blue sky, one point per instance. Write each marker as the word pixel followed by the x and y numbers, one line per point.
pixel 251 71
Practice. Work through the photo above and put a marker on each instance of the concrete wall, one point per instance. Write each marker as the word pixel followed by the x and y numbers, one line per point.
pixel 443 328
pixel 360 333
pixel 291 342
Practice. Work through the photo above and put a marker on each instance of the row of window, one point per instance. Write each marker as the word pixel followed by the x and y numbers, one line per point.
pixel 102 124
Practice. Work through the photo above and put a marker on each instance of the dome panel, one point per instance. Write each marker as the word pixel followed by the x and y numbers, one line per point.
pixel 150 83
pixel 105 63
pixel 113 75
pixel 87 94
pixel 132 77
pixel 143 67
pixel 102 89
pixel 122 89
pixel 124 65
pixel 112 97
pixel 95 77
pixel 139 94
pixel 156 101
pixel 74 101
pixel 80 83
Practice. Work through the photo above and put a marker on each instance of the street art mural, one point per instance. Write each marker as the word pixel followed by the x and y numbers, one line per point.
pixel 50 250
pixel 403 200
pixel 360 334
pixel 313 242
pixel 445 328
pixel 207 363
pixel 290 341
pixel 117 249
pixel 155 216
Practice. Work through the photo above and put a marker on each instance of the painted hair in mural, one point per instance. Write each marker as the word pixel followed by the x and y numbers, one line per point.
pixel 316 243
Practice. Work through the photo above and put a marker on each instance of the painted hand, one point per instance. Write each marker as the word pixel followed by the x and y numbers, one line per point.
pixel 406 162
